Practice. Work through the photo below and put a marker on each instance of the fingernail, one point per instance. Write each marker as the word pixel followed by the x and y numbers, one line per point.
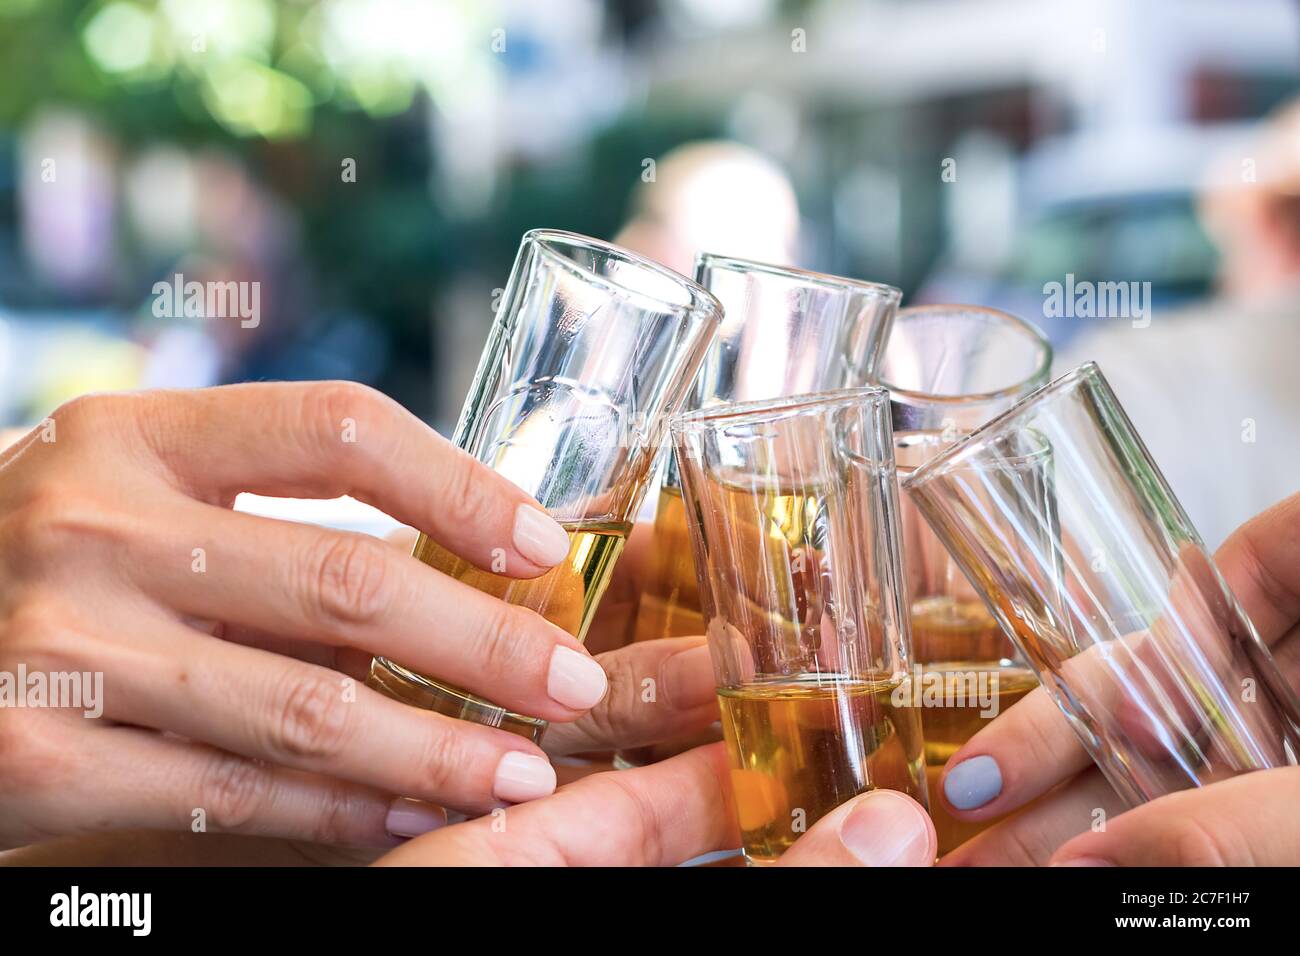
pixel 410 818
pixel 688 678
pixel 973 783
pixel 887 829
pixel 522 777
pixel 575 680
pixel 1084 861
pixel 538 537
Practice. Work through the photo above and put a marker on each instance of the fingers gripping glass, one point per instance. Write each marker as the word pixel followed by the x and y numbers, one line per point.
pixel 592 349
pixel 1066 528
pixel 792 512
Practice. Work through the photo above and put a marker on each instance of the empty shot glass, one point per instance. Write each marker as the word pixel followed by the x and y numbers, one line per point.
pixel 949 369
pixel 792 510
pixel 1064 525
pixel 592 349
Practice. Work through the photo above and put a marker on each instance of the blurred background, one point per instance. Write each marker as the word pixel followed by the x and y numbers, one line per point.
pixel 371 164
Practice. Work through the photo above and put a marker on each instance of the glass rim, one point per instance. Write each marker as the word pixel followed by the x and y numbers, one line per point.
pixel 965 446
pixel 698 298
pixel 826 280
pixel 1022 326
pixel 774 409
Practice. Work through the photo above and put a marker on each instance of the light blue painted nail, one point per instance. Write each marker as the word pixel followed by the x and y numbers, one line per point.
pixel 973 783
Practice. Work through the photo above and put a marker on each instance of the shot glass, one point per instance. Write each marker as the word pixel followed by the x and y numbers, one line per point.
pixel 785 332
pixel 1058 516
pixel 592 350
pixel 792 512
pixel 949 369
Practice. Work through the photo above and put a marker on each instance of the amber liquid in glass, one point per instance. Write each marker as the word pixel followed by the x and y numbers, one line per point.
pixel 566 596
pixel 800 747
pixel 970 680
pixel 670 600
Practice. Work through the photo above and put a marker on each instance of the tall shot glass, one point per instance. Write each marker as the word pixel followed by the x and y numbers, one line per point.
pixel 786 332
pixel 1066 528
pixel 792 509
pixel 591 351
pixel 949 369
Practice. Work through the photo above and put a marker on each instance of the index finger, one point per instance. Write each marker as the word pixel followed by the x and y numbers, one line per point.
pixel 1021 754
pixel 326 439
pixel 659 815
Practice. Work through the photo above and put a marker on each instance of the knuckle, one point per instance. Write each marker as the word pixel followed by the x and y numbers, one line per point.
pixel 232 790
pixel 1017 846
pixel 641 830
pixel 615 717
pixel 1040 740
pixel 37 632
pixel 349 575
pixel 466 490
pixel 54 520
pixel 31 761
pixel 445 762
pixel 335 824
pixel 88 418
pixel 28 624
pixel 328 405
pixel 83 409
pixel 507 642
pixel 1195 844
pixel 312 720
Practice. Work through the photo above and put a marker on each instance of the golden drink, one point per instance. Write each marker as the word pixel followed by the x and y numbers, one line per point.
pixel 670 602
pixel 956 629
pixel 670 599
pixel 802 746
pixel 968 678
pixel 566 596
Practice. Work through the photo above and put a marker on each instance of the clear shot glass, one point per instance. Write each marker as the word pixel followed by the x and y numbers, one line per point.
pixel 1067 530
pixel 591 351
pixel 792 512
pixel 785 332
pixel 949 369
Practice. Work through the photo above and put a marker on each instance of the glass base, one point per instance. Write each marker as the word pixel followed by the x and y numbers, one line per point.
pixel 393 680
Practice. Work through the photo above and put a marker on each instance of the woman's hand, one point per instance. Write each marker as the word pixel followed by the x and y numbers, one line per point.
pixel 1030 753
pixel 663 815
pixel 658 690
pixel 217 634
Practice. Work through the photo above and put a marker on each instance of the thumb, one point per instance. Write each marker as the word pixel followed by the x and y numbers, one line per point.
pixel 876 828
pixel 1248 820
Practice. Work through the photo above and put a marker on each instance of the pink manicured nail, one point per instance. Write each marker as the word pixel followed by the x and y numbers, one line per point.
pixel 575 680
pixel 538 537
pixel 410 818
pixel 521 777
